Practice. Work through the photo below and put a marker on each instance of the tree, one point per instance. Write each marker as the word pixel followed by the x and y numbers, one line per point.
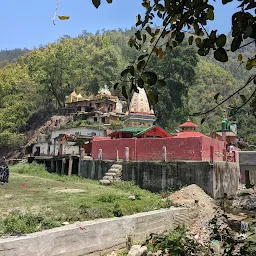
pixel 178 70
pixel 84 63
pixel 18 102
pixel 186 20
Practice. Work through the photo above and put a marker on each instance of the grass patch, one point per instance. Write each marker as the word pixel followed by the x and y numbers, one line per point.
pixel 17 223
pixel 32 192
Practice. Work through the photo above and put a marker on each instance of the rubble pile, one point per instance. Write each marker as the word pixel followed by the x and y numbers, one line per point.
pixel 245 199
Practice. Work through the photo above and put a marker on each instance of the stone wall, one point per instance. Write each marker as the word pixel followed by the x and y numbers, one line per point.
pixel 215 180
pixel 247 162
pixel 98 236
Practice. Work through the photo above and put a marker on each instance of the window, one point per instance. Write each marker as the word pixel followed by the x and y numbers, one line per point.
pixel 95 119
pixel 103 120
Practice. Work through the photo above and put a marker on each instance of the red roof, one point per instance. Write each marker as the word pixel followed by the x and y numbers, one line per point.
pixel 189 134
pixel 188 124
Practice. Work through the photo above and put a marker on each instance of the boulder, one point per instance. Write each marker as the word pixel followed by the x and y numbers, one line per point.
pixel 138 250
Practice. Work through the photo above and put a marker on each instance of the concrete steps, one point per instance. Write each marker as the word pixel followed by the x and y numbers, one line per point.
pixel 113 175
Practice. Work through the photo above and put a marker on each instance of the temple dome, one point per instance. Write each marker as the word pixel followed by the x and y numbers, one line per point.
pixel 139 102
pixel 104 91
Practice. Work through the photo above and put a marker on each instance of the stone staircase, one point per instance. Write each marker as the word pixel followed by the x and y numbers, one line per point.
pixel 113 175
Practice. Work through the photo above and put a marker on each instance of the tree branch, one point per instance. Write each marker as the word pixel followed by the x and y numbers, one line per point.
pixel 247 44
pixel 244 103
pixel 55 12
pixel 164 29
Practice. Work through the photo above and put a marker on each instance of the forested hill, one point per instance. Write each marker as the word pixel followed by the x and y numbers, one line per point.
pixel 11 55
pixel 31 81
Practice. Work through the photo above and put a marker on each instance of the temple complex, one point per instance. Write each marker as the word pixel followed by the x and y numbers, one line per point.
pixel 101 108
pixel 140 140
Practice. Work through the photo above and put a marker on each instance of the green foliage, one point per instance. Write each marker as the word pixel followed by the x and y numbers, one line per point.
pixel 117 211
pixel 33 168
pixel 249 247
pixel 178 70
pixel 184 84
pixel 17 223
pixel 108 198
pixel 173 243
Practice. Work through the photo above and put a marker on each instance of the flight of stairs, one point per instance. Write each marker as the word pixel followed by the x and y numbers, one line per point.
pixel 113 175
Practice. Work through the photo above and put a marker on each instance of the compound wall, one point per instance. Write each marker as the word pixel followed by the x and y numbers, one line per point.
pixel 150 149
pixel 96 237
pixel 216 180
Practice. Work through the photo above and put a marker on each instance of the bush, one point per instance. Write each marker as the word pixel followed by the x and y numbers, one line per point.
pixel 33 168
pixel 174 243
pixel 17 223
pixel 108 198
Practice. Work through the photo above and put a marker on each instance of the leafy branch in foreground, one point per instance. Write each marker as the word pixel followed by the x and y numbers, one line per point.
pixel 185 20
pixel 252 78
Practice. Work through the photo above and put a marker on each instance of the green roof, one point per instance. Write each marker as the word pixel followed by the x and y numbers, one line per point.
pixel 144 130
pixel 133 130
pixel 136 130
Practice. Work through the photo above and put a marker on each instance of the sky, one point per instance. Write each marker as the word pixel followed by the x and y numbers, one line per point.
pixel 28 23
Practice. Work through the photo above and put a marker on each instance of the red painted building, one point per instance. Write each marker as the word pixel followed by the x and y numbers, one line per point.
pixel 187 145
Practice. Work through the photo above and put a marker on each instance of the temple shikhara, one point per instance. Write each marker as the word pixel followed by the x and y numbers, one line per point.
pixel 138 139
pixel 140 114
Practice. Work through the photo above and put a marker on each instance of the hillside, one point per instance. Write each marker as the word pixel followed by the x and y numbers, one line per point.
pixel 40 79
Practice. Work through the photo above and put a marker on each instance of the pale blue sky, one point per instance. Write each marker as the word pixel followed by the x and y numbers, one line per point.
pixel 28 23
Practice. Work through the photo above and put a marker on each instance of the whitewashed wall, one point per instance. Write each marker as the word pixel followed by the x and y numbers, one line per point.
pixel 78 130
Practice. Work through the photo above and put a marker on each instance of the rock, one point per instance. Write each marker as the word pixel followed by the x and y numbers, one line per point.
pixel 159 252
pixel 112 254
pixel 143 251
pixel 138 250
pixel 134 251
pixel 65 223
pixel 105 182
pixel 131 197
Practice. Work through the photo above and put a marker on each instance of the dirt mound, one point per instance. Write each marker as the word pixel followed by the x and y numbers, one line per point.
pixel 194 196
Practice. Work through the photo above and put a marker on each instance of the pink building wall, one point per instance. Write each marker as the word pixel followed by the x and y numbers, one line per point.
pixel 194 148
pixel 218 149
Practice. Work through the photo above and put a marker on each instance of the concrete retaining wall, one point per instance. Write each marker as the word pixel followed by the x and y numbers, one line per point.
pixel 215 180
pixel 98 236
pixel 225 179
pixel 158 176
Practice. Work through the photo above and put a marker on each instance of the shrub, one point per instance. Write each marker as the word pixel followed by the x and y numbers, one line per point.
pixel 17 223
pixel 108 198
pixel 174 243
pixel 33 168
